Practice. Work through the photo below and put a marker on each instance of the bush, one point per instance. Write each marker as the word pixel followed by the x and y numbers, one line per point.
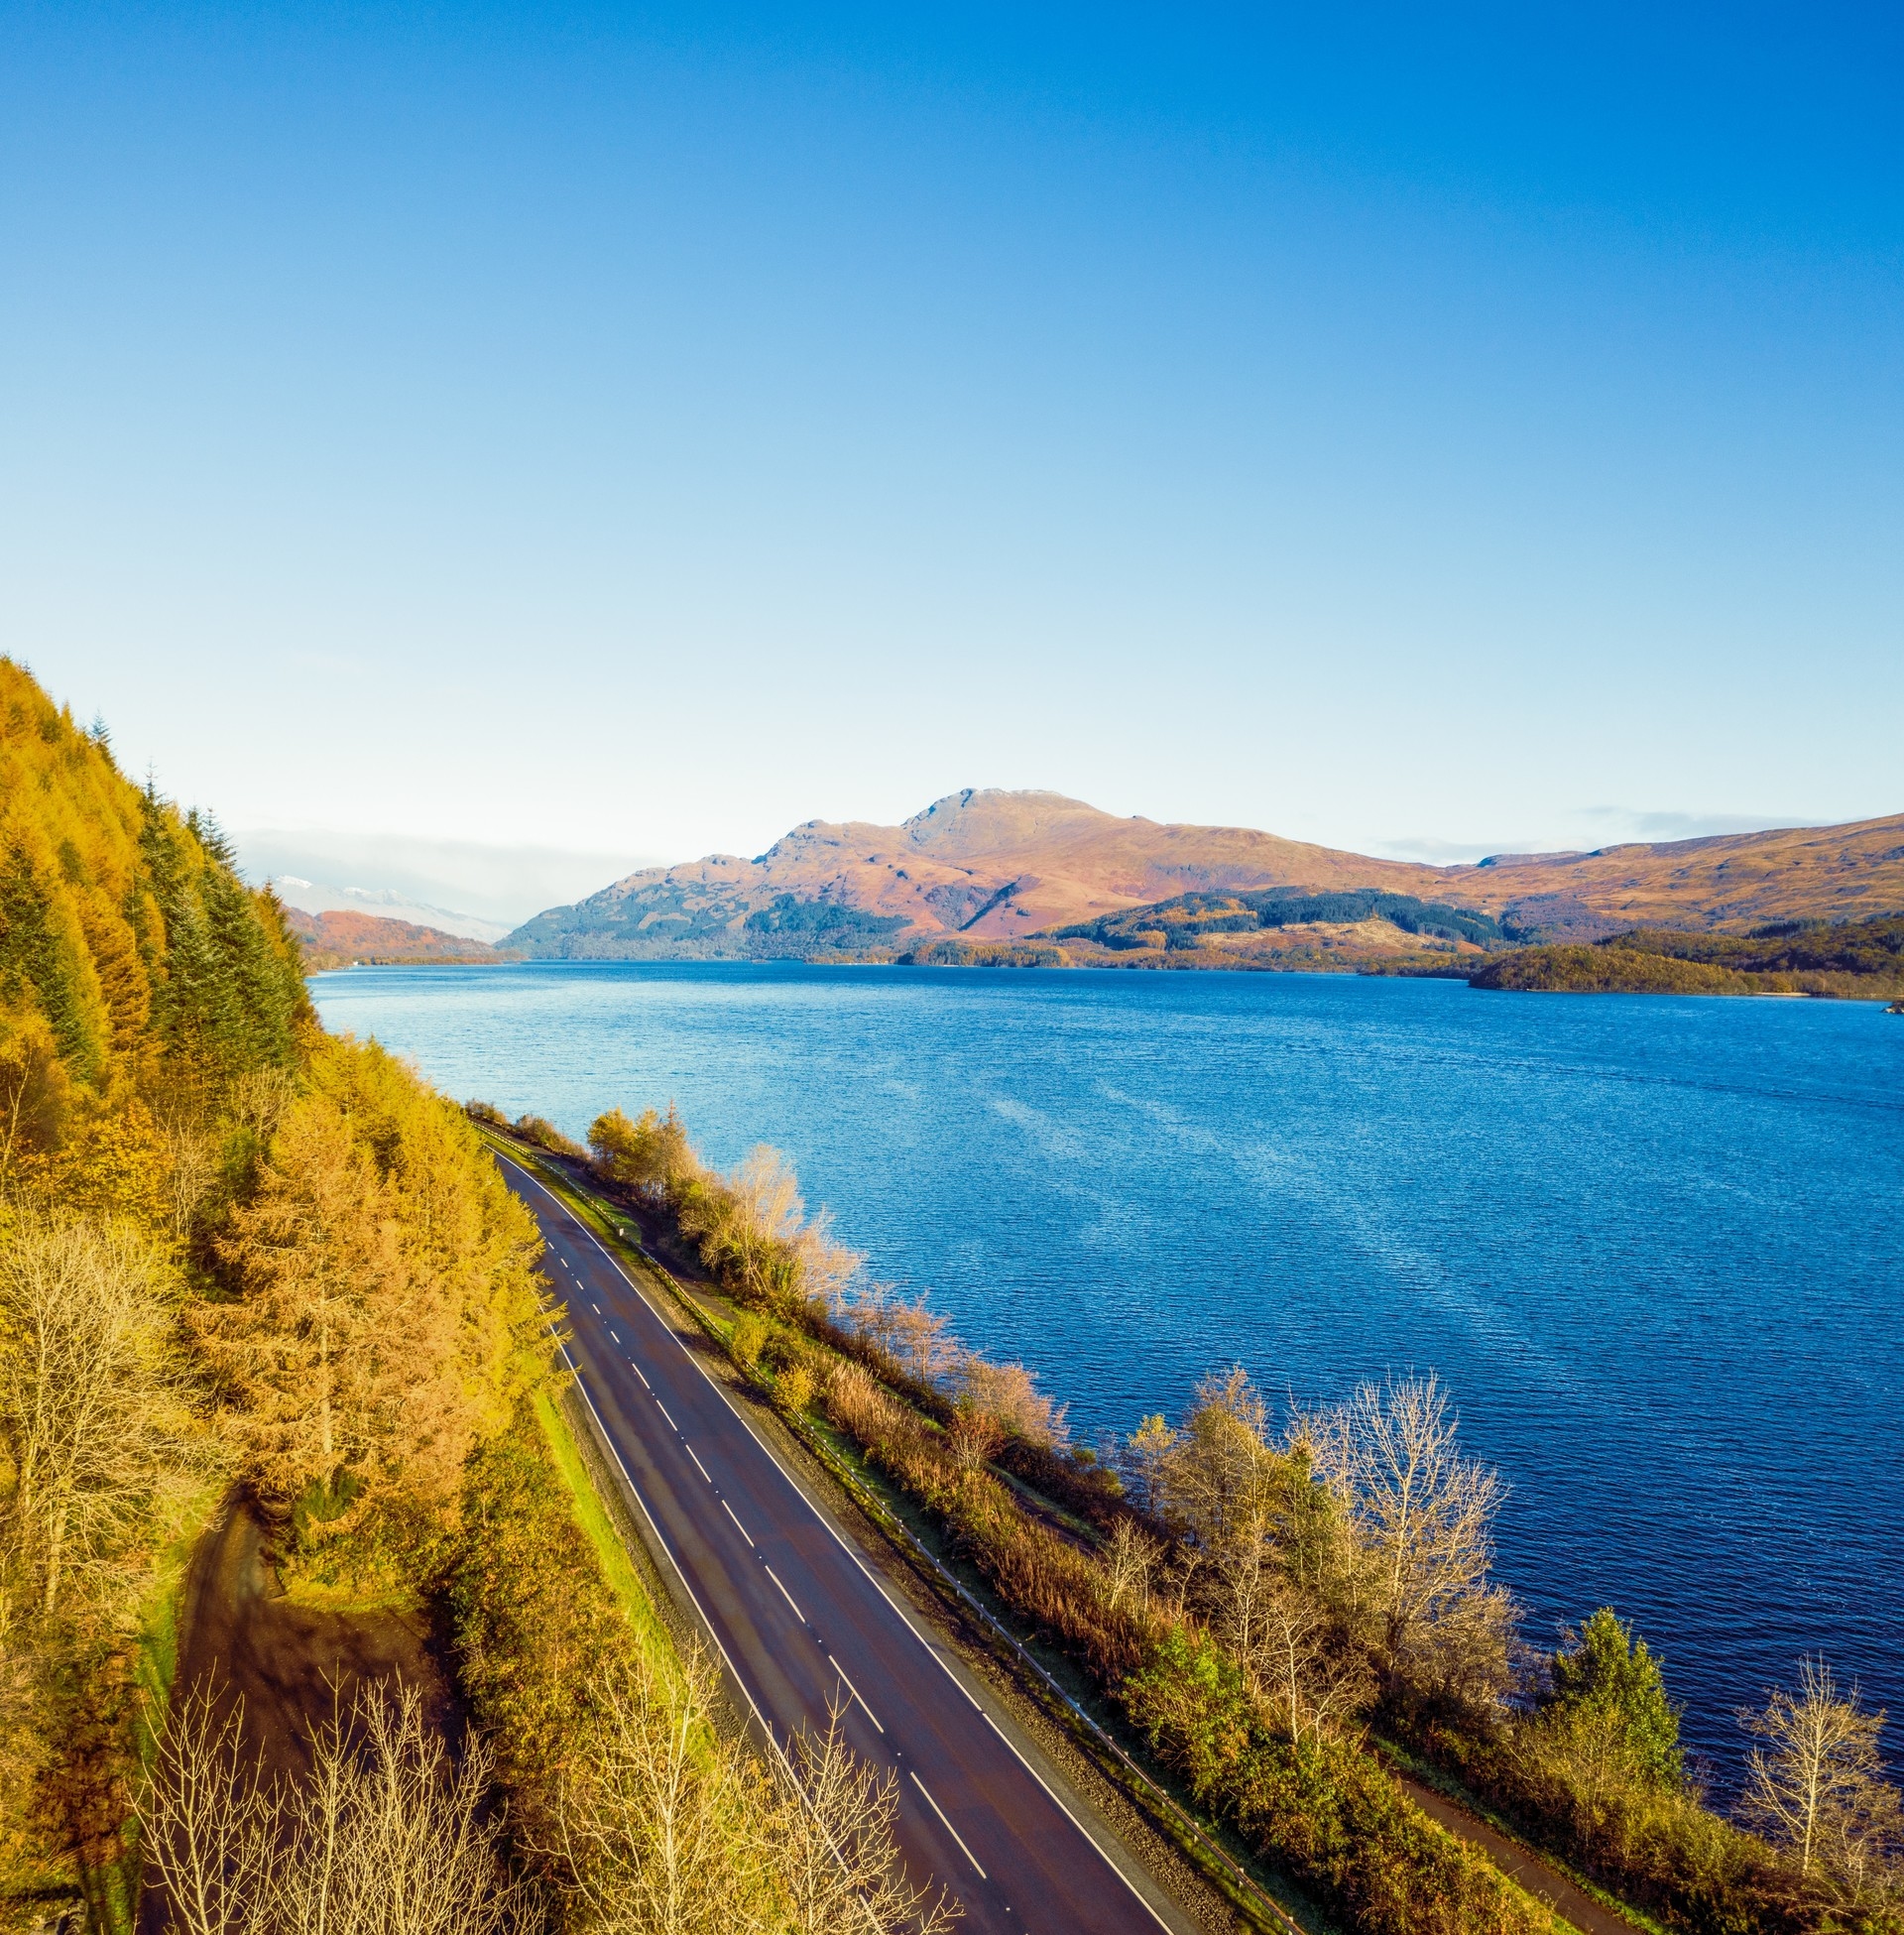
pixel 530 1619
pixel 746 1338
pixel 1325 1812
pixel 545 1135
pixel 794 1390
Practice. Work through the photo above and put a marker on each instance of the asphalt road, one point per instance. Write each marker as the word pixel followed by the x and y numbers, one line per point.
pixel 802 1622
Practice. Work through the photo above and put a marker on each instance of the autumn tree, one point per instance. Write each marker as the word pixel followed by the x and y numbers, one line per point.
pixel 1218 1477
pixel 385 1310
pixel 1140 1461
pixel 650 1154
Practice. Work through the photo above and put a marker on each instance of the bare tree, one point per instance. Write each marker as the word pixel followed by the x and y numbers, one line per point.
pixel 748 1224
pixel 1422 1512
pixel 191 1167
pixel 917 1337
pixel 662 1833
pixel 1128 1560
pixel 973 1437
pixel 1009 1393
pixel 207 1819
pixel 96 1406
pixel 1311 1684
pixel 1817 1786
pixel 835 1847
pixel 388 1836
pixel 824 1269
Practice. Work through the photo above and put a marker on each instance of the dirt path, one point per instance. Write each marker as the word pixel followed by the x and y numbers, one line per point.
pixel 1526 1869
pixel 289 1663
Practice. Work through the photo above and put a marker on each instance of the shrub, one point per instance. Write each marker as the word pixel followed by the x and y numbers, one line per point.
pixel 746 1338
pixel 545 1135
pixel 1322 1810
pixel 794 1390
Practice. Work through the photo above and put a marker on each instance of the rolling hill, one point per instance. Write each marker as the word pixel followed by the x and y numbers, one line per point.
pixel 996 867
pixel 339 936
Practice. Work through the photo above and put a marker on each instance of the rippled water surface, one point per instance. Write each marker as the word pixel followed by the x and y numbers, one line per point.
pixel 1655 1246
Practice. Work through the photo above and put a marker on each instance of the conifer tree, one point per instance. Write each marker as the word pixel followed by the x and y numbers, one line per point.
pixel 1608 1686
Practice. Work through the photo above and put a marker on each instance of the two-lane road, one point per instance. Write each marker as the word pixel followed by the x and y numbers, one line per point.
pixel 803 1623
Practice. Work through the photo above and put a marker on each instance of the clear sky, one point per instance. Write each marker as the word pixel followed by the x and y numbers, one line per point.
pixel 1428 429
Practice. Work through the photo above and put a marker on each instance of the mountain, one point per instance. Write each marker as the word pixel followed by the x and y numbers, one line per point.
pixel 338 936
pixel 985 863
pixel 314 896
pixel 1733 881
pixel 996 866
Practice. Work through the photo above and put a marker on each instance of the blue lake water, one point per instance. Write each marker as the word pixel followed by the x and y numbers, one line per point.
pixel 1654 1245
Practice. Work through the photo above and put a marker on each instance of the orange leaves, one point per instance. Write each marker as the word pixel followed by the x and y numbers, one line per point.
pixel 386 1313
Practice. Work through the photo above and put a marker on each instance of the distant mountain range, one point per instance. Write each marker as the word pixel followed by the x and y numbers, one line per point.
pixel 338 937
pixel 992 867
pixel 317 898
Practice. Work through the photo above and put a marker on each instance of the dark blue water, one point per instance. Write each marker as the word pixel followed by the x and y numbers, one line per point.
pixel 1655 1246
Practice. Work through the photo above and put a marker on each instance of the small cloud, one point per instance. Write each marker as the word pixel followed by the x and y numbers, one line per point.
pixel 1434 853
pixel 1583 829
pixel 1622 824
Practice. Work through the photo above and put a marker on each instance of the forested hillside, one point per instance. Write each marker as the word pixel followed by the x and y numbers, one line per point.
pixel 1863 959
pixel 341 937
pixel 152 1020
pixel 262 1291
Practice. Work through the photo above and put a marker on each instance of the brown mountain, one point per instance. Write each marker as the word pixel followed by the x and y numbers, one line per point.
pixel 1729 881
pixel 337 938
pixel 990 864
pixel 997 866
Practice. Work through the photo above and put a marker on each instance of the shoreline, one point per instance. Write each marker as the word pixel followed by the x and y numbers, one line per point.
pixel 1891 992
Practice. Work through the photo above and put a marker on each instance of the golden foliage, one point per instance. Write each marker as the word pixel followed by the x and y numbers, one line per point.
pixel 384 1314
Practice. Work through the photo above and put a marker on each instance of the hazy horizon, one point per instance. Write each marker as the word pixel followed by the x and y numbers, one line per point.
pixel 483 891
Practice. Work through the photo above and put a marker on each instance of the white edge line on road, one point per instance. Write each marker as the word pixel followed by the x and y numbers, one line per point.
pixel 633 1492
pixel 839 1540
pixel 854 1690
pixel 931 1651
pixel 738 1527
pixel 949 1828
pixel 785 1594
pixel 698 1465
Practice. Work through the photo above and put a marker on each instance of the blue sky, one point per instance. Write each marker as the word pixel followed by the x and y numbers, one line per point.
pixel 634 430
